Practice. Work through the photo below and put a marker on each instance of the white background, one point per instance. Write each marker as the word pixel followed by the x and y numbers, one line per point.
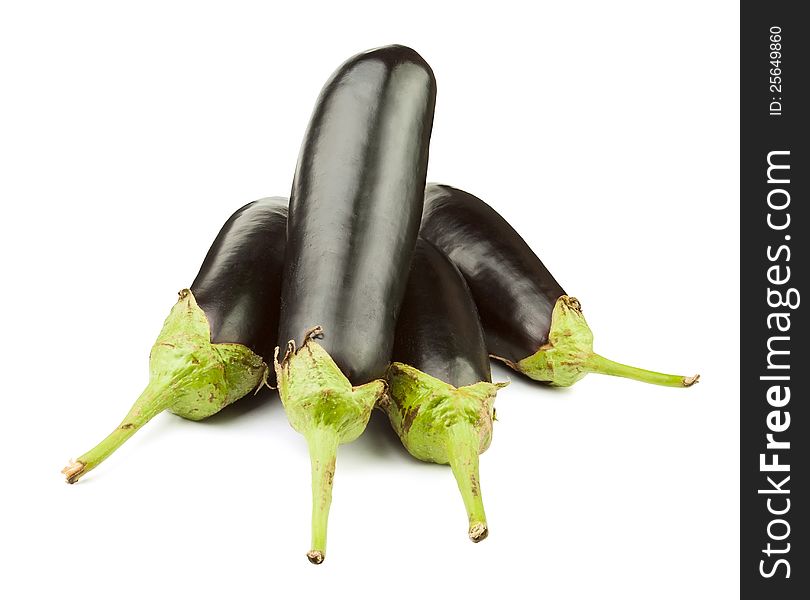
pixel 606 132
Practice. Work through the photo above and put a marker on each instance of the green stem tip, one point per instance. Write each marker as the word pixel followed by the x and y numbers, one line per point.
pixel 604 366
pixel 188 375
pixel 568 356
pixel 151 402
pixel 323 445
pixel 323 406
pixel 462 450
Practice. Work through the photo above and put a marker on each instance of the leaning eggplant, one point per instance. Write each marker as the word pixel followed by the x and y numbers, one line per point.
pixel 440 397
pixel 530 323
pixel 213 345
pixel 354 216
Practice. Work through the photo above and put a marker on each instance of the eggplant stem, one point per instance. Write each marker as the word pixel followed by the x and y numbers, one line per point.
pixel 568 356
pixel 151 402
pixel 187 374
pixel 462 452
pixel 604 366
pixel 323 443
pixel 323 406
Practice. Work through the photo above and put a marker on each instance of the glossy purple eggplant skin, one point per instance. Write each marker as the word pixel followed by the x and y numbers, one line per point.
pixel 438 330
pixel 355 207
pixel 239 284
pixel 514 292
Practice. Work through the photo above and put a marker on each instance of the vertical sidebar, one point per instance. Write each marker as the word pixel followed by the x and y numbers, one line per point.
pixel 774 435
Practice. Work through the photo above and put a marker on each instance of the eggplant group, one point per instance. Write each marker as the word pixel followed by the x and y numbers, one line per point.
pixel 355 209
pixel 368 289
pixel 217 338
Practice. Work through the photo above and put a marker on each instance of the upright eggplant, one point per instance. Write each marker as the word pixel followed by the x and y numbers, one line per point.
pixel 530 323
pixel 440 397
pixel 213 345
pixel 354 216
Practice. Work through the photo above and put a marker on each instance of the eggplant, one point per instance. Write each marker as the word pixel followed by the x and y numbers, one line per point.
pixel 530 323
pixel 214 343
pixel 441 396
pixel 355 207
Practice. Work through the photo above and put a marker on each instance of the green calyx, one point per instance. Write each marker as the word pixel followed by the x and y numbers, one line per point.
pixel 188 375
pixel 568 356
pixel 440 423
pixel 323 406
